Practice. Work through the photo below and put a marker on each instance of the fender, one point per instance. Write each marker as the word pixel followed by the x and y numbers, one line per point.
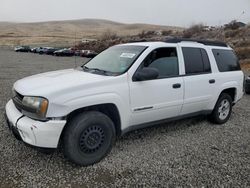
pixel 61 110
pixel 228 85
pixel 224 86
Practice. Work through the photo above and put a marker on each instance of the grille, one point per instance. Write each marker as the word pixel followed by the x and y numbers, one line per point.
pixel 19 96
pixel 17 99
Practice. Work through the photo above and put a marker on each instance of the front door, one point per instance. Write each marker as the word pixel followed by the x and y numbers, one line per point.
pixel 162 97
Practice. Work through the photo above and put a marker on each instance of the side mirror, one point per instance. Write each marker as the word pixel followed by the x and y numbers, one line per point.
pixel 146 73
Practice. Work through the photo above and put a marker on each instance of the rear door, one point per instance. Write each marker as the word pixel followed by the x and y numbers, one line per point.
pixel 199 81
pixel 162 97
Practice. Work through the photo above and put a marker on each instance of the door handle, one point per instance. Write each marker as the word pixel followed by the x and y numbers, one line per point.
pixel 212 81
pixel 177 85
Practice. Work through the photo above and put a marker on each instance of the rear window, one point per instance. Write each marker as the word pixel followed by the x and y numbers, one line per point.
pixel 226 60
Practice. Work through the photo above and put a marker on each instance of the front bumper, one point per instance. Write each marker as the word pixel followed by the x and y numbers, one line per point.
pixel 36 133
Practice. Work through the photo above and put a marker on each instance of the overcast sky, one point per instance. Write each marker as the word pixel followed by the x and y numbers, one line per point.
pixel 164 12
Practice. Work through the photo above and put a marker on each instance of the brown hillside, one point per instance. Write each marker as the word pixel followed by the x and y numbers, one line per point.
pixel 63 32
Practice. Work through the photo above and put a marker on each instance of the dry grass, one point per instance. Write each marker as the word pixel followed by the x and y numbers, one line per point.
pixel 243 52
pixel 245 65
pixel 63 32
pixel 193 30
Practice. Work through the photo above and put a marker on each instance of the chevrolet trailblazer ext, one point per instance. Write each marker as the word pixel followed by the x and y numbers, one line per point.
pixel 124 88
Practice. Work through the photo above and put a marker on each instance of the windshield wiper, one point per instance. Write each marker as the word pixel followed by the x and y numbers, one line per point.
pixel 95 70
pixel 84 67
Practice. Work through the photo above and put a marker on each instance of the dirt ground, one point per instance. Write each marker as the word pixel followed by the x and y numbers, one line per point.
pixel 186 153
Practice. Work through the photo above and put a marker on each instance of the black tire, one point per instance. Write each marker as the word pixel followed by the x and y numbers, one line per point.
pixel 247 87
pixel 221 113
pixel 88 138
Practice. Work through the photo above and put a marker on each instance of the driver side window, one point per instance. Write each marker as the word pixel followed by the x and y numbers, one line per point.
pixel 165 60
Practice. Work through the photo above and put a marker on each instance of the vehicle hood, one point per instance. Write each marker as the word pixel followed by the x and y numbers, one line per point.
pixel 56 82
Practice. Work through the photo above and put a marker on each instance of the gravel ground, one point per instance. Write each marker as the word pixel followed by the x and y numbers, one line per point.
pixel 186 153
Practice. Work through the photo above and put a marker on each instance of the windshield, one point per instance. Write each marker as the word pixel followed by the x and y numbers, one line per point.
pixel 115 60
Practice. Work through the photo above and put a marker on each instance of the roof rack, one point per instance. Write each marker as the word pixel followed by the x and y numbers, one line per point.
pixel 205 42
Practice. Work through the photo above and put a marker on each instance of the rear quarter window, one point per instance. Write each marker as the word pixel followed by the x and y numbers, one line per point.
pixel 226 60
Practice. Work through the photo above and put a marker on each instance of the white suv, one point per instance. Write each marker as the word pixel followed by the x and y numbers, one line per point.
pixel 124 88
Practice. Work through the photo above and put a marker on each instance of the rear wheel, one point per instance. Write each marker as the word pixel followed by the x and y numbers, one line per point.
pixel 222 109
pixel 88 138
pixel 247 86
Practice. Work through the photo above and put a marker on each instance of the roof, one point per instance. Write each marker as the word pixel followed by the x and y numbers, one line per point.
pixel 174 41
pixel 205 42
pixel 145 44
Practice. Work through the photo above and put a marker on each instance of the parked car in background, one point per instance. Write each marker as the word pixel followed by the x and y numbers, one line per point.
pixel 50 50
pixel 37 49
pixel 78 52
pixel 44 50
pixel 33 50
pixel 82 53
pixel 89 53
pixel 22 49
pixel 64 52
pixel 41 50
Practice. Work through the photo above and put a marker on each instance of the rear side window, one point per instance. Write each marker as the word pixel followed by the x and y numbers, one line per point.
pixel 196 60
pixel 226 60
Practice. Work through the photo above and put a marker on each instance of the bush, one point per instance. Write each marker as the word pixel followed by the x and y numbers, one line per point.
pixel 146 34
pixel 193 30
pixel 233 25
pixel 243 53
pixel 245 65
pixel 109 35
pixel 232 33
pixel 242 43
pixel 167 32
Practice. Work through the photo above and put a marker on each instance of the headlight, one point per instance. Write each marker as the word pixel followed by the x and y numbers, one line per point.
pixel 37 105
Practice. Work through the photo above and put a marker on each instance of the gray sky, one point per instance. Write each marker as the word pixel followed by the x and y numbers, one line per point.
pixel 164 12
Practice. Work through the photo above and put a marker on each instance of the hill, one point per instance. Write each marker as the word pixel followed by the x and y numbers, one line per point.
pixel 65 32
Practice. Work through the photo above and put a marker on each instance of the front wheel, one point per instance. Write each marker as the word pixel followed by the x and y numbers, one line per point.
pixel 222 109
pixel 88 138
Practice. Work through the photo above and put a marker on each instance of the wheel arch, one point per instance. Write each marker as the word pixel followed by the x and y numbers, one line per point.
pixel 109 109
pixel 232 92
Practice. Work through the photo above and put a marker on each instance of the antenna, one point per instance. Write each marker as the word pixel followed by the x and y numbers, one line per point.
pixel 242 13
pixel 75 49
